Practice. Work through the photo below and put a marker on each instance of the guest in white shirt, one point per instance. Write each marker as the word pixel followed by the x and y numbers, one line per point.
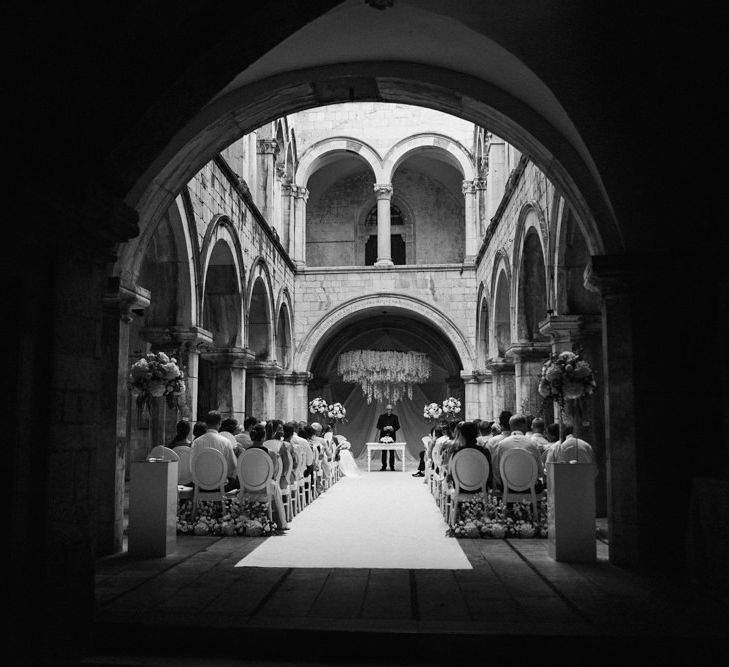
pixel 212 439
pixel 244 437
pixel 572 449
pixel 517 439
pixel 505 431
pixel 538 437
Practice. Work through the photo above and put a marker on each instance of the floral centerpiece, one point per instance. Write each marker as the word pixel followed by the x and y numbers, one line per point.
pixel 387 438
pixel 337 412
pixel 451 407
pixel 318 406
pixel 566 376
pixel 155 376
pixel 432 411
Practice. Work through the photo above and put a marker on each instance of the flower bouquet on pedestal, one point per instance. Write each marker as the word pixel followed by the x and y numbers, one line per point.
pixel 387 438
pixel 451 408
pixel 432 412
pixel 337 412
pixel 318 406
pixel 156 376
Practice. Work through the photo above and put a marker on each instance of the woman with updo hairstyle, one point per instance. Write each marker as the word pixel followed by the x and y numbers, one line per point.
pixel 182 436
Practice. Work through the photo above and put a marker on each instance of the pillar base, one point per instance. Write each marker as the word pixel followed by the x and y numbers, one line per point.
pixel 384 264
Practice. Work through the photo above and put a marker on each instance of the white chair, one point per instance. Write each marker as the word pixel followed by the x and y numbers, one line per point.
pixel 209 473
pixel 284 483
pixel 519 472
pixel 300 481
pixel 426 458
pixel 470 471
pixel 184 473
pixel 165 453
pixel 255 474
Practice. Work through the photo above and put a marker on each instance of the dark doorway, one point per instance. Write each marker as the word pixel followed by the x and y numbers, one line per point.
pixel 397 249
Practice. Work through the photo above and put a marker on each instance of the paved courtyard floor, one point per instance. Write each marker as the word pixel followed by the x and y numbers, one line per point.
pixel 196 606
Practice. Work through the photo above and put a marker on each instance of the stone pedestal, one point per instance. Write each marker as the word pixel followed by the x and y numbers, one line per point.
pixel 471 236
pixel 571 512
pixel 153 509
pixel 288 404
pixel 528 360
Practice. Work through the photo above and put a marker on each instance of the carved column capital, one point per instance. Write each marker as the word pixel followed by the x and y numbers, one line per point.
pixel 500 366
pixel 294 377
pixel 233 357
pixel 127 298
pixel 300 192
pixel 530 351
pixel 267 147
pixel 266 369
pixel 287 188
pixel 468 188
pixel 383 190
pixel 477 376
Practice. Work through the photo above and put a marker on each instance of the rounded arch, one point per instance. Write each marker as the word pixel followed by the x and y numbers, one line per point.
pixel 222 297
pixel 354 308
pixel 530 289
pixel 446 148
pixel 284 329
pixel 317 155
pixel 502 308
pixel 222 229
pixel 482 325
pixel 259 311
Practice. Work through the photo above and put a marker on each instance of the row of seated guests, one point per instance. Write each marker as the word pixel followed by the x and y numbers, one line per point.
pixel 303 442
pixel 512 431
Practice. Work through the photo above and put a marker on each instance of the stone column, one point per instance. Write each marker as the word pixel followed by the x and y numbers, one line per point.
pixel 503 387
pixel 471 244
pixel 288 395
pixel 229 380
pixel 299 245
pixel 528 360
pixel 267 150
pixel 111 451
pixel 496 176
pixel 479 403
pixel 384 195
pixel 262 386
pixel 287 218
pixel 482 221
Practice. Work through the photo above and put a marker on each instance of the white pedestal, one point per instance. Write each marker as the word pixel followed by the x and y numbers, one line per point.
pixel 571 512
pixel 153 508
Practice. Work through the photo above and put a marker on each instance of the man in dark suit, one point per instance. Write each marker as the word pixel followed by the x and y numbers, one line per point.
pixel 388 424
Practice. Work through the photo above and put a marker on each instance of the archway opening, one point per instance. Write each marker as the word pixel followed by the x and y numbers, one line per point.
pixel 502 316
pixel 283 337
pixel 385 329
pixel 532 289
pixel 259 336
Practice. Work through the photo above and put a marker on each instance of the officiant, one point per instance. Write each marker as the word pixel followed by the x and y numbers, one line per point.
pixel 388 424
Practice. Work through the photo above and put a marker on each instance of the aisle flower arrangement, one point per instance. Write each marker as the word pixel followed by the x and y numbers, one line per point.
pixel 337 412
pixel 490 519
pixel 451 407
pixel 156 375
pixel 566 376
pixel 432 411
pixel 227 519
pixel 318 406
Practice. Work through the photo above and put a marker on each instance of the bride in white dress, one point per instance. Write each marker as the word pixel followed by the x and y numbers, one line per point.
pixel 347 464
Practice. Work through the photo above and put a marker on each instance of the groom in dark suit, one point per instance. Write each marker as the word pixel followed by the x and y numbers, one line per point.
pixel 388 424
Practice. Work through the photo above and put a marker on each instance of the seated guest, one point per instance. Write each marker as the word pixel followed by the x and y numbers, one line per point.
pixel 182 437
pixel 466 437
pixel 229 429
pixel 244 437
pixel 529 432
pixel 212 439
pixel 484 432
pixel 551 436
pixel 517 439
pixel 274 435
pixel 199 429
pixel 569 450
pixel 505 429
pixel 538 437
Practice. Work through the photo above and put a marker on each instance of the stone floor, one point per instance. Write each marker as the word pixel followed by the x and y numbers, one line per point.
pixel 195 605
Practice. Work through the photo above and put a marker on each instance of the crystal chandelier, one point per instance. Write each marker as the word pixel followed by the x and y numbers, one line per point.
pixel 384 374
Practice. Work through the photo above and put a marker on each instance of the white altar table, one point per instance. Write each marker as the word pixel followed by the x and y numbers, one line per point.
pixel 379 446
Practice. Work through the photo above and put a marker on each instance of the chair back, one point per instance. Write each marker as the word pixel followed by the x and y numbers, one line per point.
pixel 209 470
pixel 470 469
pixel 518 469
pixel 329 436
pixel 162 452
pixel 286 464
pixel 255 470
pixel 184 473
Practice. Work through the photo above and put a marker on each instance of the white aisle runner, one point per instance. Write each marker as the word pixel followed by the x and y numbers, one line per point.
pixel 380 520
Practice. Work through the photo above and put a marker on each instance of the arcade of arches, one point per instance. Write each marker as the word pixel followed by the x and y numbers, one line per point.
pixel 232 206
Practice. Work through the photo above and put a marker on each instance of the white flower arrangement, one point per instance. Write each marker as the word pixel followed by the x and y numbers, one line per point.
pixel 432 411
pixel 318 406
pixel 451 407
pixel 156 375
pixel 386 439
pixel 337 412
pixel 566 376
